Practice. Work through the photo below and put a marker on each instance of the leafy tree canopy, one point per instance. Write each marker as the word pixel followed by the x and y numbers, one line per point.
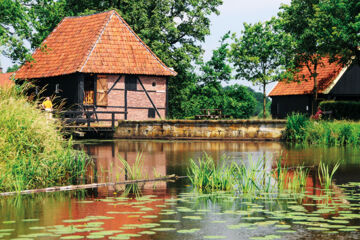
pixel 260 54
pixel 14 29
pixel 337 24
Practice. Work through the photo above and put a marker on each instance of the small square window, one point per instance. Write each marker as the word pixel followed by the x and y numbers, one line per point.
pixel 131 83
pixel 151 113
pixel 154 84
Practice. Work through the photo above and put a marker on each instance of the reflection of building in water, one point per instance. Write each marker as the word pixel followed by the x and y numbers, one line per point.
pixel 172 157
pixel 109 168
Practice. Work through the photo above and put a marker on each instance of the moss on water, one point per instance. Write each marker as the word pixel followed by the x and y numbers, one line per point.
pixel 33 153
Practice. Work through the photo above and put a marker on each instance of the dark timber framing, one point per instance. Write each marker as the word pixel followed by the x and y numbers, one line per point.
pixel 112 87
pixel 147 94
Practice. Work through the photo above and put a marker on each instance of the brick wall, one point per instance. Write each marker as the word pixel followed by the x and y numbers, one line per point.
pixel 156 87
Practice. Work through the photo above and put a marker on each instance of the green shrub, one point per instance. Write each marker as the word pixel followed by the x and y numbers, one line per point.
pixel 296 125
pixel 349 110
pixel 300 129
pixel 33 153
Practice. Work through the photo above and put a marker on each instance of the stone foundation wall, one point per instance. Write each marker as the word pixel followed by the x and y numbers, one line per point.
pixel 202 129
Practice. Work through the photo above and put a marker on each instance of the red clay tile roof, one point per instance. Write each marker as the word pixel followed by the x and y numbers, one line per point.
pixel 5 79
pixel 327 73
pixel 98 43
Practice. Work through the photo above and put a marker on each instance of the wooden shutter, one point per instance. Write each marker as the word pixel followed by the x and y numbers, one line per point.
pixel 101 91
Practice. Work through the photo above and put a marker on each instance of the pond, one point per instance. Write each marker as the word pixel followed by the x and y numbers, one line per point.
pixel 173 210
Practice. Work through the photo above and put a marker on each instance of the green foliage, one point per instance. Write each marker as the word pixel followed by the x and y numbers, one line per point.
pixel 260 54
pixel 259 97
pixel 14 29
pixel 209 93
pixel 337 27
pixel 239 102
pixel 349 110
pixel 295 127
pixel 33 153
pixel 300 129
pixel 13 68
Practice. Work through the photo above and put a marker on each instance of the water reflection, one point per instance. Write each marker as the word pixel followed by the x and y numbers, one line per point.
pixel 172 157
pixel 218 213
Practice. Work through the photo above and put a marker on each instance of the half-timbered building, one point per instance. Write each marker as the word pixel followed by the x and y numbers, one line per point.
pixel 98 62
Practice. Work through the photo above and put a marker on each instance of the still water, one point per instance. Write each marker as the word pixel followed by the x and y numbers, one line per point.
pixel 171 210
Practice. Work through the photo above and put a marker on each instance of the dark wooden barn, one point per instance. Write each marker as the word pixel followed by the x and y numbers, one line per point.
pixel 98 62
pixel 334 83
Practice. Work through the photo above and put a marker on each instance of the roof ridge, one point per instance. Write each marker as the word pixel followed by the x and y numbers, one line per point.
pixel 144 44
pixel 89 14
pixel 82 65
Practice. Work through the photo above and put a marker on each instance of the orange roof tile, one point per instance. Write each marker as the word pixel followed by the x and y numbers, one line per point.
pixel 5 79
pixel 327 73
pixel 98 43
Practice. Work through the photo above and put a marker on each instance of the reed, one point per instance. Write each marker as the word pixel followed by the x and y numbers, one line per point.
pixel 206 176
pixel 252 177
pixel 326 175
pixel 133 172
pixel 33 153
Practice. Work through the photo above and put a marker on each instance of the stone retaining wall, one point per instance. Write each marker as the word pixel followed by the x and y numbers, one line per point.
pixel 201 129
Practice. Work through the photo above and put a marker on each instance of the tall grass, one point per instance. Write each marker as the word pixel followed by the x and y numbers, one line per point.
pixel 33 153
pixel 300 129
pixel 251 178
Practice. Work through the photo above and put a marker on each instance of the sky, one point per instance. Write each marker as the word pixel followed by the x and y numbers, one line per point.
pixel 233 13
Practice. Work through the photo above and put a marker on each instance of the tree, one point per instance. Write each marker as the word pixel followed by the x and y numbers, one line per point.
pixel 337 25
pixel 239 101
pixel 260 54
pixel 14 29
pixel 298 19
pixel 208 92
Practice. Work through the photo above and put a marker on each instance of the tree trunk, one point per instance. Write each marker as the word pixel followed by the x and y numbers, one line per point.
pixel 264 98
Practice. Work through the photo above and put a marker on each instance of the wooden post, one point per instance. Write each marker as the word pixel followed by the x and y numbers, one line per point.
pixel 80 95
pixel 126 107
pixel 113 120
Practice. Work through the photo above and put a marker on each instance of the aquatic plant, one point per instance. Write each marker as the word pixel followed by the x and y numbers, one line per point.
pixel 133 172
pixel 252 177
pixel 206 176
pixel 325 175
pixel 33 153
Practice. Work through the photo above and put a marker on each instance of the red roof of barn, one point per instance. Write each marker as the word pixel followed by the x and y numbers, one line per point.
pixel 5 79
pixel 327 74
pixel 98 43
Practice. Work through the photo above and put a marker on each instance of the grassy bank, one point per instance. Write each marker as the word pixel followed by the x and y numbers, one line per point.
pixel 33 153
pixel 300 129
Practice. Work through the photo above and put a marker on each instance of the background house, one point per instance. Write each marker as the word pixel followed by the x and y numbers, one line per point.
pixel 98 62
pixel 5 79
pixel 334 83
